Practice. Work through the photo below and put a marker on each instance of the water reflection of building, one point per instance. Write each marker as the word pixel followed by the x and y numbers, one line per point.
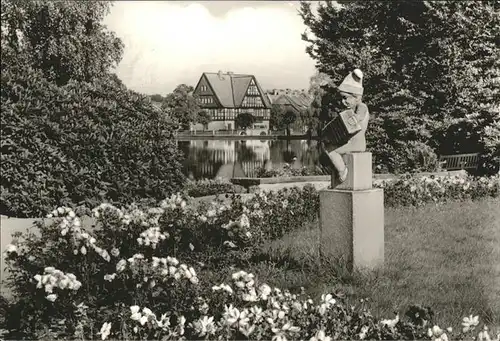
pixel 205 158
pixel 226 151
pixel 226 95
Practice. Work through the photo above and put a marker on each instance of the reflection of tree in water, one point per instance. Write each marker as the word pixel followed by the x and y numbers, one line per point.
pixel 184 148
pixel 243 152
pixel 201 163
pixel 310 155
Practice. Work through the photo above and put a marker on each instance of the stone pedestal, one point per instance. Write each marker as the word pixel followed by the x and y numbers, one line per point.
pixel 359 175
pixel 352 217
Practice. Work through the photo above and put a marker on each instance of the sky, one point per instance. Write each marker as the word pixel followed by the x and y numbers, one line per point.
pixel 168 43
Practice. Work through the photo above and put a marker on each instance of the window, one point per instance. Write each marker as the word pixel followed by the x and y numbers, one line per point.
pixel 253 91
pixel 253 102
pixel 206 100
pixel 203 88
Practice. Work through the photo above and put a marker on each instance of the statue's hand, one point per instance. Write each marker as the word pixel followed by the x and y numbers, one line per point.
pixel 361 112
pixel 352 120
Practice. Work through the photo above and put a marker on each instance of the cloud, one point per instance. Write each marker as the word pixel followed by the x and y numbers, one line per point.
pixel 168 43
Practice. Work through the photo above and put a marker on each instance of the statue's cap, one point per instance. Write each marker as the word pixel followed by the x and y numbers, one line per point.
pixel 353 83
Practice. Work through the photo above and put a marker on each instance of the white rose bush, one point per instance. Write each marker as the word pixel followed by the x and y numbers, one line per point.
pixel 177 272
pixel 420 190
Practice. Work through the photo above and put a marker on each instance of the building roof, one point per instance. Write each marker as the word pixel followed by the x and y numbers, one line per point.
pixel 299 100
pixel 230 88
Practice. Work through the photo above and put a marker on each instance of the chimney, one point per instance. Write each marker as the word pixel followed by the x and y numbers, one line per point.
pixel 220 74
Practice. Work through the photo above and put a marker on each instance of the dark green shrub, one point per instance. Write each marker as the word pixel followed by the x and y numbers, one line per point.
pixel 287 171
pixel 81 144
pixel 207 187
pixel 400 157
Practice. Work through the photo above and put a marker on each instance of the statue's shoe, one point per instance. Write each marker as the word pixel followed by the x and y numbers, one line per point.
pixel 343 176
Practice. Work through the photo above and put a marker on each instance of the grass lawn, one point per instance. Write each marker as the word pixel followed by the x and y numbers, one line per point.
pixel 445 257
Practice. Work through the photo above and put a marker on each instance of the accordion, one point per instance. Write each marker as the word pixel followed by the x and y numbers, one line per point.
pixel 340 130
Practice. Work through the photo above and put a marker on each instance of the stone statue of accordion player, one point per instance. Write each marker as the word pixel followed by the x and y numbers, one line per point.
pixel 346 132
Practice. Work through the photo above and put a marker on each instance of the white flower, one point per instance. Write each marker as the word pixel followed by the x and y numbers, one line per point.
pixel 105 330
pixel 320 336
pixel 64 283
pixel 105 255
pixel 51 297
pixel 328 299
pixel 143 320
pixel 265 291
pixel 147 311
pixel 390 323
pixel 136 315
pixel 10 248
pixel 230 244
pixel 83 250
pixel 204 326
pixel 115 252
pixel 247 329
pixel 109 278
pixel 468 322
pixel 363 332
pixel 245 223
pixel 121 265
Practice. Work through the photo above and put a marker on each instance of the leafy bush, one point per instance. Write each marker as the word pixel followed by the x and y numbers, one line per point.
pixel 206 187
pixel 213 237
pixel 132 276
pixel 416 191
pixel 286 171
pixel 403 157
pixel 81 144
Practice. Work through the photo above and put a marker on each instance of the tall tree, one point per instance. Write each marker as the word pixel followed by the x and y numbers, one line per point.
pixel 203 118
pixel 72 133
pixel 182 105
pixel 282 117
pixel 64 39
pixel 157 98
pixel 317 112
pixel 431 68
pixel 289 118
pixel 244 120
pixel 276 117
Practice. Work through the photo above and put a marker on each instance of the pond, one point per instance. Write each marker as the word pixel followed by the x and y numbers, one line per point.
pixel 205 159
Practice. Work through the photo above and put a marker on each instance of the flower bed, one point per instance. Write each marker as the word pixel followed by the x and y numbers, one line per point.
pixel 417 191
pixel 139 275
pixel 175 272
